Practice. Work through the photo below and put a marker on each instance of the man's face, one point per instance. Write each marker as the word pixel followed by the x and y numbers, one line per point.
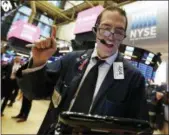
pixel 17 60
pixel 111 20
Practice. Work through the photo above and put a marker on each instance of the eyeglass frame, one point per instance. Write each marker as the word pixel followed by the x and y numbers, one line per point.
pixel 111 33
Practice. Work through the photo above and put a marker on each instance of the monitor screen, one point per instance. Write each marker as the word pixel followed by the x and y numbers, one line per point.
pixel 146 70
pixel 147 58
pixel 7 57
pixel 146 61
pixel 53 58
pixel 149 72
pixel 23 14
pixel 134 63
pixel 45 25
pixel 144 57
pixel 142 67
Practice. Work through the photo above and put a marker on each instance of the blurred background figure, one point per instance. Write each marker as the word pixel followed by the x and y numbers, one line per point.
pixel 158 107
pixel 9 82
pixel 25 108
pixel 13 95
pixel 162 96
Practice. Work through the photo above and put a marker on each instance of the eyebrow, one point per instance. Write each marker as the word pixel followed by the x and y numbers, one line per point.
pixel 106 25
pixel 121 28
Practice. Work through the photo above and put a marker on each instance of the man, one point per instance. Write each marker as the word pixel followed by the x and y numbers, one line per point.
pixel 24 111
pixel 159 106
pixel 9 82
pixel 80 82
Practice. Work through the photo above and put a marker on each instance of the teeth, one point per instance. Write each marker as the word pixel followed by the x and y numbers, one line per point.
pixel 108 42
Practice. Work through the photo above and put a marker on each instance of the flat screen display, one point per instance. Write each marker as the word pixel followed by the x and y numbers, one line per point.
pixel 142 67
pixel 52 59
pixel 134 63
pixel 149 72
pixel 7 57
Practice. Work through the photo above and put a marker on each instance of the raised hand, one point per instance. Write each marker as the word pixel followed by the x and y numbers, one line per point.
pixel 44 49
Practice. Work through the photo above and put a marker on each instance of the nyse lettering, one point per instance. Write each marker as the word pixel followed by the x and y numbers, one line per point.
pixel 149 32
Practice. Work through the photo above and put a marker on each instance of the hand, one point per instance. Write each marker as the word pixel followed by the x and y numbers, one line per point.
pixel 159 95
pixel 44 49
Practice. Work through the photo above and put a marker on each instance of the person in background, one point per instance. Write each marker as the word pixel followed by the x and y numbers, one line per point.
pixel 97 82
pixel 13 95
pixel 3 49
pixel 25 109
pixel 157 109
pixel 15 91
pixel 9 82
pixel 162 99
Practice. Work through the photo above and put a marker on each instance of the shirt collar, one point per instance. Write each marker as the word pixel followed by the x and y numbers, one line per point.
pixel 108 60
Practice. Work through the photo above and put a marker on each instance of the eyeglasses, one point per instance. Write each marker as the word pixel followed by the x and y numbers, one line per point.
pixel 118 33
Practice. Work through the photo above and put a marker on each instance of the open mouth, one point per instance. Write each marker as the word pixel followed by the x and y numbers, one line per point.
pixel 109 44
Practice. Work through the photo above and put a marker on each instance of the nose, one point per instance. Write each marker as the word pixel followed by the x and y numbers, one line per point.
pixel 111 37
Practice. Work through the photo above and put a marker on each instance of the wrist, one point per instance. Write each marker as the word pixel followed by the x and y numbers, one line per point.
pixel 38 63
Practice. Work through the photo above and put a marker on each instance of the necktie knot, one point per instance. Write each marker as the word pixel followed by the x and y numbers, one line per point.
pixel 99 61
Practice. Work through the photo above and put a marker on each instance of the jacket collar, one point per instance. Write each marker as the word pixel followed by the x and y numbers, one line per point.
pixel 108 60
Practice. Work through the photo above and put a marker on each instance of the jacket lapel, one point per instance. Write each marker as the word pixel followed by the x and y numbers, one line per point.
pixel 82 63
pixel 79 69
pixel 108 81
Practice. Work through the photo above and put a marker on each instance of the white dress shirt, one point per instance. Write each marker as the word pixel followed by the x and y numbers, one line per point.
pixel 15 67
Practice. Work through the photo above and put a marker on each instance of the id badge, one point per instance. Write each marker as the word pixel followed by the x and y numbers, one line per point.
pixel 118 70
pixel 56 98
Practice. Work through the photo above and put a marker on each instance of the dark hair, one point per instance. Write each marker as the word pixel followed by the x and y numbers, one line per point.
pixel 112 8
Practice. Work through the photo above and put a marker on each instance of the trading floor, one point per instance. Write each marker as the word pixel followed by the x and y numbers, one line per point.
pixel 31 126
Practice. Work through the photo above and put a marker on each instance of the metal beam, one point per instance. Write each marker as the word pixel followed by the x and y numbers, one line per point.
pixel 51 9
pixel 89 3
pixel 33 7
pixel 110 3
pixel 74 10
pixel 80 7
pixel 126 2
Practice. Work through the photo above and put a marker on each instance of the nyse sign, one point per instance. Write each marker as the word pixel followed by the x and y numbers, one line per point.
pixel 145 33
pixel 144 26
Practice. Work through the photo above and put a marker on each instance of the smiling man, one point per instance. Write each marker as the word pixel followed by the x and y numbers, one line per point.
pixel 97 81
pixel 111 27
